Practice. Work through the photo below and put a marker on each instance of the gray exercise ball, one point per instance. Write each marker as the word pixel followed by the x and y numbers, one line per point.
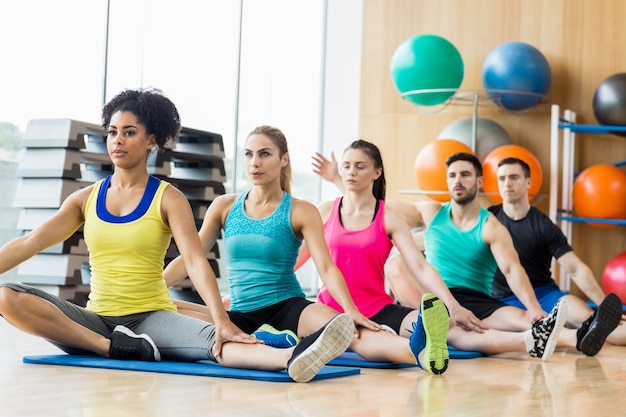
pixel 489 134
pixel 609 102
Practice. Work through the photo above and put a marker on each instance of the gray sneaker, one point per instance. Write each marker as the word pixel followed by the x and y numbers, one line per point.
pixel 316 350
pixel 545 332
pixel 127 345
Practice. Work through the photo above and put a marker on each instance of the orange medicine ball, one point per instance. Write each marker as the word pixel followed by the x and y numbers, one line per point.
pixel 600 191
pixel 490 170
pixel 430 166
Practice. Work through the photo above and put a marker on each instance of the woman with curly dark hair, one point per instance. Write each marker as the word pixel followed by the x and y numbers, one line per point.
pixel 128 221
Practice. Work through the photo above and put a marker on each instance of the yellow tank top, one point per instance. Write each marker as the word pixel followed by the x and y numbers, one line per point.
pixel 127 253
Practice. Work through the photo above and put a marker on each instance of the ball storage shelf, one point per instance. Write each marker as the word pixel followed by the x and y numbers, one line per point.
pixel 563 130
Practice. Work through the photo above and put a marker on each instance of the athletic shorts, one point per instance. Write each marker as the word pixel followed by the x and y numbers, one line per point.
pixel 283 315
pixel 392 315
pixel 481 304
pixel 547 295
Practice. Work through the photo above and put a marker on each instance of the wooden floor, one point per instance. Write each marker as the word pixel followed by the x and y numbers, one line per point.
pixel 512 385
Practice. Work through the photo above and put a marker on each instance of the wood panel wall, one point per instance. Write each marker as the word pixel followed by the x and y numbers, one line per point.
pixel 583 40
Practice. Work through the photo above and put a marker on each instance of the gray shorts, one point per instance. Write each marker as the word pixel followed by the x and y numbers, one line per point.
pixel 178 337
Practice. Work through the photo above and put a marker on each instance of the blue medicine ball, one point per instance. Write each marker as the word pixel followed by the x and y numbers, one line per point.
pixel 518 67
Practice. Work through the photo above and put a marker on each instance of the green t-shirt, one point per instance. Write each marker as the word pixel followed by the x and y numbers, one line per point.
pixel 461 257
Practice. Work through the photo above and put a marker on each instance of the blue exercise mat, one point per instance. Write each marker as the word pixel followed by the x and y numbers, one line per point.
pixel 201 368
pixel 350 358
pixel 463 354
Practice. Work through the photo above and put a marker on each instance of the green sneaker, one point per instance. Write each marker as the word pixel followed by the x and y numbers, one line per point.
pixel 276 338
pixel 430 332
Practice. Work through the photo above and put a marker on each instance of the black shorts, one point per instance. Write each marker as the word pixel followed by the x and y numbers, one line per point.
pixel 392 315
pixel 283 315
pixel 481 304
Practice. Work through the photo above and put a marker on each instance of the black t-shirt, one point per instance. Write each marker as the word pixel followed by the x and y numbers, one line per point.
pixel 537 239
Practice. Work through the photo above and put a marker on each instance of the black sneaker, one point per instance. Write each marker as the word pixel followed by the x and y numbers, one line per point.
pixel 127 345
pixel 593 333
pixel 316 350
pixel 545 332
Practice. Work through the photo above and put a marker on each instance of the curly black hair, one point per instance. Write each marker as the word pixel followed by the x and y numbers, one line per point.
pixel 152 109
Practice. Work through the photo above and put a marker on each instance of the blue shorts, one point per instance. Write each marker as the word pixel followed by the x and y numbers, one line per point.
pixel 547 296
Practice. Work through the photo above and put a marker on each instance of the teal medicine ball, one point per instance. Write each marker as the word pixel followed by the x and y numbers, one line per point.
pixel 426 62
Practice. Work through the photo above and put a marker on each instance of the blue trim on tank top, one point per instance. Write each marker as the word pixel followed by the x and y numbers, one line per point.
pixel 138 212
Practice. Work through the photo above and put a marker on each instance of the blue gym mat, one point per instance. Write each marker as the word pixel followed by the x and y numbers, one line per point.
pixel 350 358
pixel 463 354
pixel 201 368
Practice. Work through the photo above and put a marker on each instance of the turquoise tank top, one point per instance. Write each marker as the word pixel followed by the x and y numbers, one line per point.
pixel 260 256
pixel 461 257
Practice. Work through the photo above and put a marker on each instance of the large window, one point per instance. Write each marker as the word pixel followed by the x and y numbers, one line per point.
pixel 229 66
pixel 52 62
pixel 281 80
pixel 52 67
pixel 188 48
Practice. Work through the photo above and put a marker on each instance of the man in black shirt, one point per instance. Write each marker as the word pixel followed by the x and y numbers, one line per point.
pixel 537 240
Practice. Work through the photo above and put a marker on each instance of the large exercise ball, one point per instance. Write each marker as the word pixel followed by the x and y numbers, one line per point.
pixel 490 170
pixel 600 192
pixel 520 67
pixel 430 168
pixel 426 62
pixel 609 102
pixel 489 134
pixel 614 277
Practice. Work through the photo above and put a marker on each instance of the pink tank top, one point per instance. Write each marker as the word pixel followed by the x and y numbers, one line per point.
pixel 360 255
